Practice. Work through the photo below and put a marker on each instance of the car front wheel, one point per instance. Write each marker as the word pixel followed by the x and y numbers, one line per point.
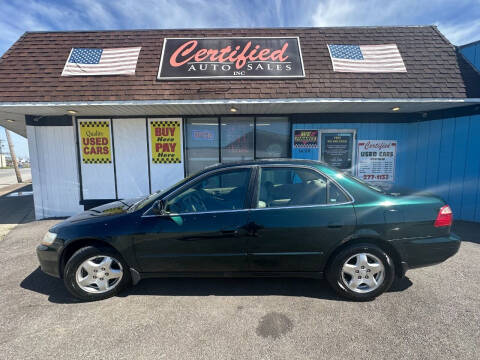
pixel 361 272
pixel 95 273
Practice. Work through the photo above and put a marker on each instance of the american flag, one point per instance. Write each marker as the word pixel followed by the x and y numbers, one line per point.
pixel 87 61
pixel 366 58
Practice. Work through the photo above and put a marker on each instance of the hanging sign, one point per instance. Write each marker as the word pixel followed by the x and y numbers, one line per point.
pixel 165 140
pixel 95 142
pixel 337 149
pixel 200 58
pixel 376 160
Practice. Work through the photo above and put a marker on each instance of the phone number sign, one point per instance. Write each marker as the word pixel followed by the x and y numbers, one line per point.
pixel 376 160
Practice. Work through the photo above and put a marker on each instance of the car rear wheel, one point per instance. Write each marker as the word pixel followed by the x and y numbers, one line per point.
pixel 361 272
pixel 95 273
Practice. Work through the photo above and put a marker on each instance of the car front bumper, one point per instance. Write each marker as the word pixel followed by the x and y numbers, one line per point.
pixel 419 252
pixel 49 258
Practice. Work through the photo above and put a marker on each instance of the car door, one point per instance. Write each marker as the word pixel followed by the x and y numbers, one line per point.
pixel 298 215
pixel 203 229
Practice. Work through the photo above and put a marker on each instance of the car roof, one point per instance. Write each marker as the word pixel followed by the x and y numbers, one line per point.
pixel 277 161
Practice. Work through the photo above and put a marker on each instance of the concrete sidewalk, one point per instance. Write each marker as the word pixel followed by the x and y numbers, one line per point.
pixel 16 207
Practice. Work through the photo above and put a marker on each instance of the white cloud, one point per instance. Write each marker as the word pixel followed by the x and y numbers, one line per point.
pixel 458 20
pixel 461 33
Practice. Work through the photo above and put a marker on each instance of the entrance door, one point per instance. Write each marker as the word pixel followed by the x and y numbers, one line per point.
pixel 237 139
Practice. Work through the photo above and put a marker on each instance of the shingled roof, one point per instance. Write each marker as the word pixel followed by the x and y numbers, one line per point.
pixel 30 70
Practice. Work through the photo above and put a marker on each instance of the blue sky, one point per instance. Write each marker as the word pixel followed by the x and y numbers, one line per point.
pixel 458 20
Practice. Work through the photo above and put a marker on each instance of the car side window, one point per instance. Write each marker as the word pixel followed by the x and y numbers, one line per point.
pixel 335 195
pixel 280 187
pixel 221 191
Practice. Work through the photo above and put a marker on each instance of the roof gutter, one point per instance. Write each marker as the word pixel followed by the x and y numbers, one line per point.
pixel 466 101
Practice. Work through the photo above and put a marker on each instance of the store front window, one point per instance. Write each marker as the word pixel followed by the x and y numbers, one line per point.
pixel 272 137
pixel 237 135
pixel 202 143
pixel 235 138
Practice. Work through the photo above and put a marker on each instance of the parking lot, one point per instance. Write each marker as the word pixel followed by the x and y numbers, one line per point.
pixel 433 313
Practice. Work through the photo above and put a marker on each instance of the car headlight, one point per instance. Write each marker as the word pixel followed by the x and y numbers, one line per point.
pixel 49 238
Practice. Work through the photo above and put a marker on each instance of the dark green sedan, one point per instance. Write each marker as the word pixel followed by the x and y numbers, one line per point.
pixel 278 218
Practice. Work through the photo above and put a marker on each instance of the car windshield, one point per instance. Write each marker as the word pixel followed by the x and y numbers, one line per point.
pixel 146 201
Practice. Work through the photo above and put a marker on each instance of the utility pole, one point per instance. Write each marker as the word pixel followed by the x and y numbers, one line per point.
pixel 13 156
pixel 3 162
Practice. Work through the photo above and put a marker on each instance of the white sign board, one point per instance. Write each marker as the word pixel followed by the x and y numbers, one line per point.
pixel 376 160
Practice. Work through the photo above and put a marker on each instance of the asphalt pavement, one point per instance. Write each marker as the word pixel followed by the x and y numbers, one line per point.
pixel 434 313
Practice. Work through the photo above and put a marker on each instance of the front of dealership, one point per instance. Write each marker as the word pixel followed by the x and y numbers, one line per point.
pixel 120 114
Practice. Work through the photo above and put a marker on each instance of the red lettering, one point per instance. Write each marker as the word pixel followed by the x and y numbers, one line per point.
pixel 183 50
pixel 277 55
pixel 201 55
pixel 263 54
pixel 187 52
pixel 172 147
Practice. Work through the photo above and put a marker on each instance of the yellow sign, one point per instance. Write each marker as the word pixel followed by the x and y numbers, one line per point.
pixel 95 142
pixel 166 143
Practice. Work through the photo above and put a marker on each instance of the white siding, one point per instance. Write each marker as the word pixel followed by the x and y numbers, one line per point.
pixel 131 157
pixel 56 187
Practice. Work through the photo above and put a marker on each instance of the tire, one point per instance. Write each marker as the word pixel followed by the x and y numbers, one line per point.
pixel 361 285
pixel 81 270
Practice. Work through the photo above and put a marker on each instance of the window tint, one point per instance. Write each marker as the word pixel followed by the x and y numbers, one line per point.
pixel 335 195
pixel 291 187
pixel 221 191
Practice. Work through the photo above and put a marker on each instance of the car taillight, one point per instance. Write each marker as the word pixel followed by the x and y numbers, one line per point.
pixel 444 217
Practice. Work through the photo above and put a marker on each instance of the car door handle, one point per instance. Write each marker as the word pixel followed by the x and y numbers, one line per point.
pixel 334 225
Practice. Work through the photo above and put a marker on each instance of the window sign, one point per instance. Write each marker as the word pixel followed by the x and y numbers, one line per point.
pixel 337 149
pixel 376 160
pixel 165 140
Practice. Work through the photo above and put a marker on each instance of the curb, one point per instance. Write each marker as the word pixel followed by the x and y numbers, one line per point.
pixel 11 188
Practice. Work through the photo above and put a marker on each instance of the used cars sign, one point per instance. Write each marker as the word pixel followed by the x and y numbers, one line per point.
pixel 200 58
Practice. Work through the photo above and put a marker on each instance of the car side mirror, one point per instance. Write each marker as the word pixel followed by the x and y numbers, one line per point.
pixel 159 207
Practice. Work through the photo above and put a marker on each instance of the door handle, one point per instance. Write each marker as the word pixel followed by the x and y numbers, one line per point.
pixel 334 225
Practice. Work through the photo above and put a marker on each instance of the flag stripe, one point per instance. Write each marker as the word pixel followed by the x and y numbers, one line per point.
pixel 373 58
pixel 107 62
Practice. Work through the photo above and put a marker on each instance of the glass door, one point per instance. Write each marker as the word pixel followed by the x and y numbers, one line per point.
pixel 237 138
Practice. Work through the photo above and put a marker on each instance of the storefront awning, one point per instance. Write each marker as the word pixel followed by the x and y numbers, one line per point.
pixel 12 115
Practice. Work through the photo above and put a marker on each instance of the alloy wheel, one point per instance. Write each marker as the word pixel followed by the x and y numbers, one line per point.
pixel 99 274
pixel 363 272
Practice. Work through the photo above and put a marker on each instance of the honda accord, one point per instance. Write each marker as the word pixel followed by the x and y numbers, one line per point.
pixel 276 218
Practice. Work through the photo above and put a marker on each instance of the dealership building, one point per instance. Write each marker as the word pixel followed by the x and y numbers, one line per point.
pixel 120 114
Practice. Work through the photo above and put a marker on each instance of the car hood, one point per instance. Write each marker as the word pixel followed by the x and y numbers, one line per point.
pixel 110 209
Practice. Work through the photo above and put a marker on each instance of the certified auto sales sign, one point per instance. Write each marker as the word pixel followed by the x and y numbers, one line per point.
pixel 227 58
